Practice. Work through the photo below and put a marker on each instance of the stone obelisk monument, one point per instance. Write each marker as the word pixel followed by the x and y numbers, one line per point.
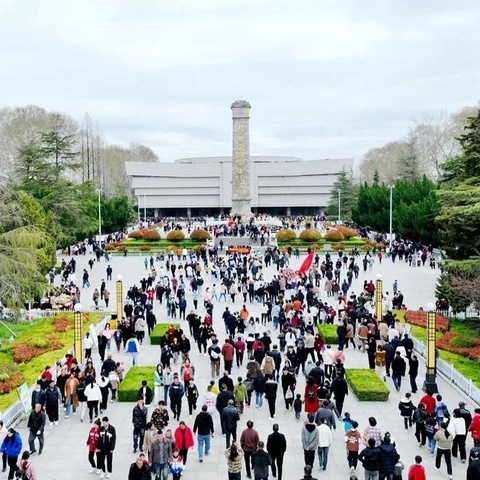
pixel 241 199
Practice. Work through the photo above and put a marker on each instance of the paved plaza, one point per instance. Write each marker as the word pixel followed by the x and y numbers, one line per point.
pixel 65 453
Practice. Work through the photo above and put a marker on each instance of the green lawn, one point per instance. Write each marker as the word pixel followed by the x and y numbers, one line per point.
pixel 128 389
pixel 159 332
pixel 328 333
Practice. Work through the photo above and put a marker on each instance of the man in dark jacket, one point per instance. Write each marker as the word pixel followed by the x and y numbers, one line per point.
pixel 230 418
pixel 307 473
pixel 140 469
pixel 53 397
pixel 370 458
pixel 176 393
pixel 139 420
pixel 222 401
pixel 249 442
pixel 226 380
pixel 203 427
pixel 107 440
pixel 36 426
pixel 388 457
pixel 398 370
pixel 260 462
pixel 276 447
pixel 339 390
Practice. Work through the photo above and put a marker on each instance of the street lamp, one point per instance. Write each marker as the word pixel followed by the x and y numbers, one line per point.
pixel 430 377
pixel 339 205
pixel 379 298
pixel 391 187
pixel 145 208
pixel 78 332
pixel 119 300
pixel 99 191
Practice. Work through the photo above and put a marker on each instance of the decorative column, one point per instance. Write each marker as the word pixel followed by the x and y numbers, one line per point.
pixel 241 198
pixel 78 333
pixel 431 360
pixel 379 298
pixel 119 300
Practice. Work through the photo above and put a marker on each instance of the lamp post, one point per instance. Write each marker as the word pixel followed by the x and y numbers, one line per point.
pixel 391 187
pixel 379 298
pixel 145 208
pixel 430 377
pixel 138 210
pixel 339 205
pixel 78 332
pixel 119 300
pixel 99 215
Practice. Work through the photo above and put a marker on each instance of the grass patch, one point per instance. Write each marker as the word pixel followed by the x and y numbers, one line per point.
pixel 328 333
pixel 159 332
pixel 367 385
pixel 467 367
pixel 128 389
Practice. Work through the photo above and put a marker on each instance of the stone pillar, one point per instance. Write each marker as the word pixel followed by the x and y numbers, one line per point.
pixel 241 199
pixel 189 212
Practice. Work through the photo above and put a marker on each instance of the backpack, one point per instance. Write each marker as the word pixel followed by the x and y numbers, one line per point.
pixel 200 282
pixel 21 473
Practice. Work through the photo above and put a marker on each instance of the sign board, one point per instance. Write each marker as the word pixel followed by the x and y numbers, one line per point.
pixel 25 397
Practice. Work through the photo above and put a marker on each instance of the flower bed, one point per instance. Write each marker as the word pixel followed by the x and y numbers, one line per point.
pixel 420 319
pixel 32 348
pixel 468 347
pixel 159 332
pixel 367 385
pixel 11 377
pixel 128 389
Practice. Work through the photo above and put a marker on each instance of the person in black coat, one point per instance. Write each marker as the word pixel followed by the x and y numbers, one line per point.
pixel 276 447
pixel 222 401
pixel 413 372
pixel 140 469
pixel 388 458
pixel 339 390
pixel 226 380
pixel 398 370
pixel 38 396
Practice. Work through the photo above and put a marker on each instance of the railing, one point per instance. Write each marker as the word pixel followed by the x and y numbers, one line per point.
pixel 15 412
pixel 451 373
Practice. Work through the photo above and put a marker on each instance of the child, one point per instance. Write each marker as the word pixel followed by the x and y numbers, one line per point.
pixel 297 406
pixel 347 422
pixel 176 464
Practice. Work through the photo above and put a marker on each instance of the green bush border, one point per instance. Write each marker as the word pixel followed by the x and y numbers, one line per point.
pixel 367 385
pixel 128 389
pixel 159 332
pixel 328 333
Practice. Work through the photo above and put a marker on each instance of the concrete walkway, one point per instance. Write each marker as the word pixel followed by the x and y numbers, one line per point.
pixel 65 453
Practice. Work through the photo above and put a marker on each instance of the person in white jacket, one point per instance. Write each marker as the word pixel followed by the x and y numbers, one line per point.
pixel 325 438
pixel 458 429
pixel 94 395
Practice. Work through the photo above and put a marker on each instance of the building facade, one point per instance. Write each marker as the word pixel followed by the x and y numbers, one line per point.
pixel 193 187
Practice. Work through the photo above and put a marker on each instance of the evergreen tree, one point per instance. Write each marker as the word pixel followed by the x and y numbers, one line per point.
pixel 348 189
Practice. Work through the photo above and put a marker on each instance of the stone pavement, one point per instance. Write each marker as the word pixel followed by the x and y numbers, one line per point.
pixel 65 453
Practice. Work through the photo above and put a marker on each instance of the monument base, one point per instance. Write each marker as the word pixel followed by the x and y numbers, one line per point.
pixel 241 208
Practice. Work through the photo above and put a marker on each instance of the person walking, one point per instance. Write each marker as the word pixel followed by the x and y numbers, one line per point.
pixel 352 443
pixel 132 348
pixel 234 456
pixel 271 387
pixel 260 462
pixel 53 397
pixel 221 403
pixel 94 395
pixel 139 421
pixel 214 353
pixel 140 469
pixel 417 471
pixel 161 455
pixel 406 408
pixel 307 474
pixel 276 448
pixel 11 448
pixel 325 438
pixel 25 468
pixel 230 418
pixel 106 445
pixel 36 426
pixel 204 429
pixel 183 440
pixel 413 372
pixel 388 458
pixel 309 440
pixel 249 442
pixel 398 370
pixel 339 390
pixel 444 441
pixel 92 444
pixel 370 458
pixel 176 393
pixel 459 432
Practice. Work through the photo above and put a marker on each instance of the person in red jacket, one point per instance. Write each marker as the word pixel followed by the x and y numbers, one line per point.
pixel 416 471
pixel 92 444
pixel 474 427
pixel 183 440
pixel 429 401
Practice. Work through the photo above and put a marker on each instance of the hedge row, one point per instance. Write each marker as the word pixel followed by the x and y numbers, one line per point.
pixel 159 332
pixel 128 389
pixel 367 385
pixel 328 333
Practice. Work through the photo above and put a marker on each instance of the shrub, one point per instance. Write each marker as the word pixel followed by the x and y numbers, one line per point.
pixel 310 235
pixel 463 342
pixel 10 378
pixel 339 246
pixel 334 235
pixel 121 248
pixel 367 385
pixel 200 234
pixel 61 324
pixel 151 235
pixel 328 333
pixel 175 236
pixel 128 389
pixel 109 247
pixel 159 332
pixel 136 234
pixel 28 349
pixel 145 248
pixel 346 231
pixel 285 235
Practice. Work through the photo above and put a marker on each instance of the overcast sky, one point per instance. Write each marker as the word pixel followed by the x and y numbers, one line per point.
pixel 325 79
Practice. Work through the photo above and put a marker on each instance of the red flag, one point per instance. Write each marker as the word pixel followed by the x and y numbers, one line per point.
pixel 307 263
